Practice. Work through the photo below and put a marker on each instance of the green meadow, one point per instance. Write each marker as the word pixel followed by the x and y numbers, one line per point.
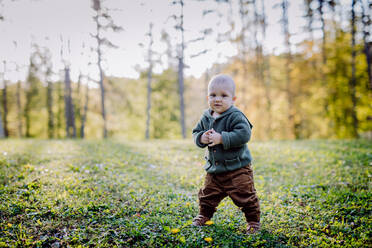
pixel 73 193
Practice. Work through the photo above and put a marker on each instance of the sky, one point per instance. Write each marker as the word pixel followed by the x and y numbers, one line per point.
pixel 55 23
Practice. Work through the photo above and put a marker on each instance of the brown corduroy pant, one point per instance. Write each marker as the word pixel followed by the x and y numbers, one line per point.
pixel 238 185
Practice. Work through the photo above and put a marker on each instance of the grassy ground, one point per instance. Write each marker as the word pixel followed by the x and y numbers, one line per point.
pixel 144 194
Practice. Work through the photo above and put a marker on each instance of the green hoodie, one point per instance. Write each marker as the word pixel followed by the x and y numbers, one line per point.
pixel 235 129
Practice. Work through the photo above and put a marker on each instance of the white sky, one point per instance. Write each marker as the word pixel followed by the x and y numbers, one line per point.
pixel 44 21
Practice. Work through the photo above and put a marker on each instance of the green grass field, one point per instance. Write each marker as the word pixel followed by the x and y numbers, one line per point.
pixel 66 193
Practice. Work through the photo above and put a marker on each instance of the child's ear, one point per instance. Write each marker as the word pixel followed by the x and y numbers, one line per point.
pixel 234 98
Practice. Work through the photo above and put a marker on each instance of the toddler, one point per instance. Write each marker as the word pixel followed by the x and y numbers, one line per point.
pixel 226 130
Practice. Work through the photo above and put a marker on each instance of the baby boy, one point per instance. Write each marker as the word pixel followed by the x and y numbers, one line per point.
pixel 225 130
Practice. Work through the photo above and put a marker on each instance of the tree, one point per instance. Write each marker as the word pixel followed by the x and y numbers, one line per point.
pixel 180 56
pixel 31 89
pixel 60 110
pixel 149 79
pixel 102 15
pixel 293 127
pixel 367 25
pixel 265 67
pixel 352 81
pixel 69 107
pixel 5 102
pixel 19 108
pixel 243 45
pixel 77 100
pixel 46 56
pixel 181 60
pixel 85 111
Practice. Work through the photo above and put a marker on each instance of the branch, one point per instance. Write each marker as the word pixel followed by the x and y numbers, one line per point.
pixel 195 40
pixel 200 53
pixel 108 43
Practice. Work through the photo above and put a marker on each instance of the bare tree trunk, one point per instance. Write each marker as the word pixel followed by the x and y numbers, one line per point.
pixel 366 19
pixel 309 27
pixel 181 75
pixel 101 77
pixel 1 128
pixel 290 98
pixel 5 103
pixel 352 82
pixel 60 107
pixel 99 64
pixel 30 90
pixel 27 113
pixel 77 101
pixel 50 105
pixel 5 109
pixel 322 21
pixel 149 89
pixel 101 13
pixel 243 11
pixel 258 45
pixel 266 76
pixel 85 113
pixel 181 92
pixel 69 108
pixel 19 109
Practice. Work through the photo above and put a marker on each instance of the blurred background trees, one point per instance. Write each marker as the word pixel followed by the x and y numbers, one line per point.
pixel 317 87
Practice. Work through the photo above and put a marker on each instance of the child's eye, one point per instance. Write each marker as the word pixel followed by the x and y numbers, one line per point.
pixel 224 95
pixel 212 95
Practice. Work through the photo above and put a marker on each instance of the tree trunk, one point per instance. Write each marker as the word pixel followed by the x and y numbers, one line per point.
pixel 103 110
pixel 85 113
pixel 77 101
pixel 69 108
pixel 50 105
pixel 290 98
pixel 243 11
pixel 19 109
pixel 352 82
pixel 266 76
pixel 181 76
pixel 5 103
pixel 322 21
pixel 99 64
pixel 101 14
pixel 60 108
pixel 149 89
pixel 5 108
pixel 27 113
pixel 366 20
pixel 31 90
pixel 1 128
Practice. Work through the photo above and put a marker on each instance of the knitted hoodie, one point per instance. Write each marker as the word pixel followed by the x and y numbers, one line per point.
pixel 235 129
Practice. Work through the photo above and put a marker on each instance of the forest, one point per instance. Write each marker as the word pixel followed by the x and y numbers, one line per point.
pixel 315 87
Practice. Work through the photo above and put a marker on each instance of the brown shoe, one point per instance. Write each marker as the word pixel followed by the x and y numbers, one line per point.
pixel 199 220
pixel 253 227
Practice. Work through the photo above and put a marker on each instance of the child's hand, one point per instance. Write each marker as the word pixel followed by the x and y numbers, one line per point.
pixel 214 138
pixel 204 139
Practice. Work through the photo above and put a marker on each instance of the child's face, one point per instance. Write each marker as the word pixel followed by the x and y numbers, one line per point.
pixel 220 97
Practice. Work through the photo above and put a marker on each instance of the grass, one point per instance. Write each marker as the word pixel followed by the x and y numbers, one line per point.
pixel 66 193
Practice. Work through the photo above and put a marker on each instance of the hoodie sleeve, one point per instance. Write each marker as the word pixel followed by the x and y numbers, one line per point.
pixel 240 133
pixel 198 131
